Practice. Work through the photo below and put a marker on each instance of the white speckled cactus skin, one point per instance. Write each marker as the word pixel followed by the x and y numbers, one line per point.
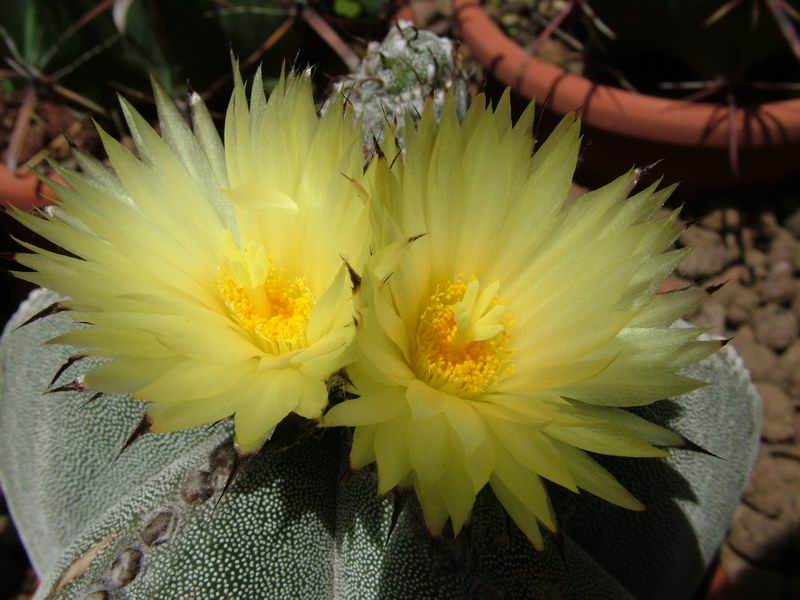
pixel 297 524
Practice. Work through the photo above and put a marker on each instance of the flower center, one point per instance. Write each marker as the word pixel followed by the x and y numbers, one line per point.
pixel 263 300
pixel 463 338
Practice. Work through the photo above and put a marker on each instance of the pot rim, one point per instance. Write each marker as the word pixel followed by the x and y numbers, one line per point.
pixel 23 190
pixel 620 111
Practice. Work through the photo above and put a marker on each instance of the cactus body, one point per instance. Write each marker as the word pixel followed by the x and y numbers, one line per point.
pixel 297 524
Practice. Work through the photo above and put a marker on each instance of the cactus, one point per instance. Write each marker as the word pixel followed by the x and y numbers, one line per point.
pixel 355 8
pixel 691 41
pixel 84 52
pixel 178 515
pixel 398 74
pixel 296 523
pixel 722 50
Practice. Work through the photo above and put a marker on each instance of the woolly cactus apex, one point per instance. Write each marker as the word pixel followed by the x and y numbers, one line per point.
pixel 295 525
pixel 398 74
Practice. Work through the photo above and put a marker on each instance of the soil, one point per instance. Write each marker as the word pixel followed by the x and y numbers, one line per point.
pixel 52 129
pixel 755 252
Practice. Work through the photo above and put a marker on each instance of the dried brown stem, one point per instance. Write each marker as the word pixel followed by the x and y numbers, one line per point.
pixel 21 126
pixel 552 26
pixel 784 23
pixel 79 99
pixel 327 33
pixel 89 16
pixel 271 40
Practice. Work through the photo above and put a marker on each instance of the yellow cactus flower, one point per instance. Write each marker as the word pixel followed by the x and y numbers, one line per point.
pixel 213 275
pixel 506 342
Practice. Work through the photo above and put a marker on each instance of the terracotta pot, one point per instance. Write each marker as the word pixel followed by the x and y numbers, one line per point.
pixel 24 191
pixel 720 586
pixel 625 128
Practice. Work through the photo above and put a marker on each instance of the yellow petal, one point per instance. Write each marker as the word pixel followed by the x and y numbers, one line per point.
pixel 362 451
pixel 124 374
pixel 323 315
pixel 191 380
pixel 330 353
pixel 391 451
pixel 269 397
pixel 382 357
pixel 458 495
pixel 115 342
pixel 555 377
pixel 604 439
pixel 593 478
pixel 535 451
pixel 173 416
pixel 426 402
pixel 367 410
pixel 391 323
pixel 221 345
pixel 313 397
pixel 252 197
pixel 524 518
pixel 434 511
pixel 631 385
pixel 633 424
pixel 664 309
pixel 480 464
pixel 429 448
pixel 524 485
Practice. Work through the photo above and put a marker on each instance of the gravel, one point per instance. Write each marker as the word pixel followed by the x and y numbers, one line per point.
pixel 760 305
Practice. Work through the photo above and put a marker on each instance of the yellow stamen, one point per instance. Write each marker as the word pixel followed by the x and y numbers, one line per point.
pixel 263 300
pixel 463 338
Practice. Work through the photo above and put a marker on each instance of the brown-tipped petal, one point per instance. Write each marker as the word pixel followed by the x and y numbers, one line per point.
pixel 76 385
pixel 400 500
pixel 239 462
pixel 292 428
pixel 90 400
pixel 715 287
pixel 55 307
pixel 355 278
pixel 344 375
pixel 70 361
pixel 360 190
pixel 639 171
pixel 690 445
pixel 142 428
pixel 377 146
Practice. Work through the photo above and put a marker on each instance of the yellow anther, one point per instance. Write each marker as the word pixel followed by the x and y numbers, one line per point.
pixel 258 295
pixel 463 341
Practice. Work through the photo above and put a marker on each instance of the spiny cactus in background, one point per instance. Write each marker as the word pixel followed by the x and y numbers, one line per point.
pixel 720 50
pixel 297 524
pixel 669 46
pixel 398 74
pixel 86 51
